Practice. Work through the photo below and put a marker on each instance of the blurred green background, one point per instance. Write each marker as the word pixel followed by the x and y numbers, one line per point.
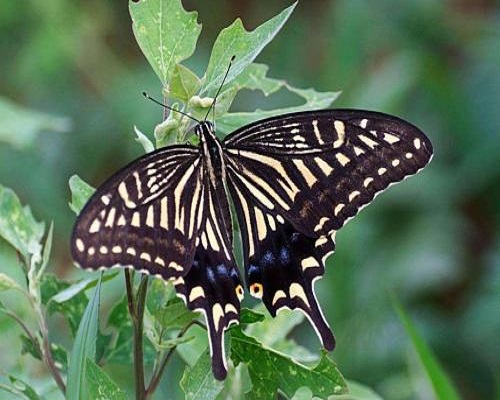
pixel 432 240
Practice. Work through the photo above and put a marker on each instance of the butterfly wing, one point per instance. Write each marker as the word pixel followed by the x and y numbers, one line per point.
pixel 212 285
pixel 144 216
pixel 297 179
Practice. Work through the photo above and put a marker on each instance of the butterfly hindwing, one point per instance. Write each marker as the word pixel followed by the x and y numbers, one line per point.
pixel 212 285
pixel 144 215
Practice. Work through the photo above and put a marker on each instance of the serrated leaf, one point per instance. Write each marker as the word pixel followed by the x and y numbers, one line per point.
pixel 174 315
pixel 18 226
pixel 159 293
pixel 80 193
pixel 236 41
pixel 20 126
pixel 198 382
pixel 441 383
pixel 271 371
pixel 313 101
pixel 21 388
pixel 84 347
pixel 198 107
pixel 254 77
pixel 165 32
pixel 184 83
pixel 100 385
pixel 144 141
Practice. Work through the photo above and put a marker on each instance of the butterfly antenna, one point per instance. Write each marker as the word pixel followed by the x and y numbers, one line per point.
pixel 220 87
pixel 147 96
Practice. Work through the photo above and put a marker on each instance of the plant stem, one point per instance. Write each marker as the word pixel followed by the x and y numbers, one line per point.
pixel 157 374
pixel 136 310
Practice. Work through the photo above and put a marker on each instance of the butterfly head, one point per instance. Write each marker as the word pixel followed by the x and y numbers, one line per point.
pixel 205 129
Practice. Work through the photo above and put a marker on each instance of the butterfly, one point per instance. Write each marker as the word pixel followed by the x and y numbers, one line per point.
pixel 294 181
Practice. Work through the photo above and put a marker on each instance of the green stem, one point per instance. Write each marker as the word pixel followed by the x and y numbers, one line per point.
pixel 157 374
pixel 136 309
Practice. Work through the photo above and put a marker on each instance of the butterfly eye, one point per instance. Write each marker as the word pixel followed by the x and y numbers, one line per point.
pixel 256 290
pixel 239 292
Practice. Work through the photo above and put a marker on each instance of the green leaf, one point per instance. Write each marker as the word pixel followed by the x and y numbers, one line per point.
pixel 272 330
pixel 59 353
pixel 79 287
pixel 20 126
pixel 17 225
pixel 313 101
pixel 254 77
pixel 165 32
pixel 100 385
pixel 174 315
pixel 198 107
pixel 198 382
pixel 47 248
pixel 80 193
pixel 20 388
pixel 191 351
pixel 358 391
pixel 236 41
pixel 441 383
pixel 7 283
pixel 144 141
pixel 84 347
pixel 184 83
pixel 248 316
pixel 271 371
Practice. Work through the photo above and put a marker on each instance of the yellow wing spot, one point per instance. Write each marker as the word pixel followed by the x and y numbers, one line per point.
pixel 309 262
pixel 323 166
pixel 257 290
pixel 338 208
pixel 91 251
pixel 358 151
pixel 230 308
pixel 395 162
pixel 260 223
pixel 317 132
pixel 175 266
pixel 121 221
pixel 369 142
pixel 280 219
pixel 271 222
pixel 296 290
pixel 299 138
pixel 322 222
pixel 382 171
pixel 340 128
pixel 391 139
pixel 239 292
pixel 321 241
pixel 80 245
pixel 150 217
pixel 342 159
pixel 105 199
pixel 163 213
pixel 159 261
pixel 305 172
pixel 353 195
pixel 131 251
pixel 111 217
pixel 145 256
pixel 195 293
pixel 96 225
pixel 367 181
pixel 122 191
pixel 217 313
pixel 280 294
pixel 103 250
pixel 136 219
pixel 363 123
pixel 116 249
pixel 417 143
pixel 408 155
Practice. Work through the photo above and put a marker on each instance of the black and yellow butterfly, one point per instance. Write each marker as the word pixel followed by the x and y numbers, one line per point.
pixel 294 180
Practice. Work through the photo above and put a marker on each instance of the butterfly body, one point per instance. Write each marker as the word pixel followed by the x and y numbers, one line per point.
pixel 294 180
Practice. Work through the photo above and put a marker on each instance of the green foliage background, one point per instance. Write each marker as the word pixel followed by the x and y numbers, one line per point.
pixel 433 240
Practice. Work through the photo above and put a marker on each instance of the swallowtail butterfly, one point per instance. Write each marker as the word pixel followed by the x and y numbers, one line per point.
pixel 294 180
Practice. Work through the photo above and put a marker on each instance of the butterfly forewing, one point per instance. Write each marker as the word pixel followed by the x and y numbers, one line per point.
pixel 297 179
pixel 144 215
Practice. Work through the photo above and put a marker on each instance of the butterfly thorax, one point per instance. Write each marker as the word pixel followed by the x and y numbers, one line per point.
pixel 212 152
